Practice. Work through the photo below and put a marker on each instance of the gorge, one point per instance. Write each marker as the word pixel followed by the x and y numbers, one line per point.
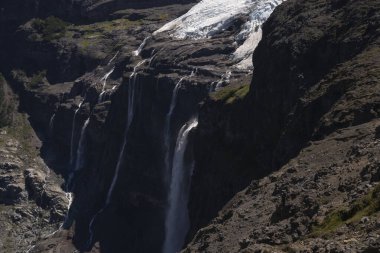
pixel 189 126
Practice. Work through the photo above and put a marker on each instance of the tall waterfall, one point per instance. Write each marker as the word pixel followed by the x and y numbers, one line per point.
pixel 72 154
pixel 167 128
pixel 177 219
pixel 81 147
pixel 131 111
pixel 80 153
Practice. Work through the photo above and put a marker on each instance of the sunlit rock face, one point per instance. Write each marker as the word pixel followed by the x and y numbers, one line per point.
pixel 210 17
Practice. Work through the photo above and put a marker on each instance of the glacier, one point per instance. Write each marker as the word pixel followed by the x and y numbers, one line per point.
pixel 210 17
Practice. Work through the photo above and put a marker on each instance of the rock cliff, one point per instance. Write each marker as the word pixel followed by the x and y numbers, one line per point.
pixel 281 158
pixel 313 101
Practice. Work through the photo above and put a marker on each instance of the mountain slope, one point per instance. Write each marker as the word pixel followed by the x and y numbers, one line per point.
pixel 314 113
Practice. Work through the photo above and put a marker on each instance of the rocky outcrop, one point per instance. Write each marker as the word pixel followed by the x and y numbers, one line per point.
pixel 32 203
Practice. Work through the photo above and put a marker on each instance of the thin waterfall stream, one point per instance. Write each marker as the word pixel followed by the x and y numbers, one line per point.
pixel 51 124
pixel 80 153
pixel 104 83
pixel 173 103
pixel 73 134
pixel 130 114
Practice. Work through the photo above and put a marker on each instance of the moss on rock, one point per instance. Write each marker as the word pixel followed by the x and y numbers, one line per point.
pixel 365 206
pixel 230 94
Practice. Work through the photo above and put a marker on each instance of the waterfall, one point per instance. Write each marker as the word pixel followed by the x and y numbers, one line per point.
pixel 73 134
pixel 81 147
pixel 141 47
pixel 80 153
pixel 104 82
pixel 113 58
pixel 51 124
pixel 177 219
pixel 131 110
pixel 174 99
pixel 167 128
pixel 130 114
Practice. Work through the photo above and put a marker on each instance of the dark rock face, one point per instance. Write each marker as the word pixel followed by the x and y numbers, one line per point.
pixel 280 213
pixel 139 190
pixel 312 67
pixel 139 200
pixel 313 87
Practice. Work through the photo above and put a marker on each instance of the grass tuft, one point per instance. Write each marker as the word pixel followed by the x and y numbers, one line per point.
pixel 51 28
pixel 366 206
pixel 230 94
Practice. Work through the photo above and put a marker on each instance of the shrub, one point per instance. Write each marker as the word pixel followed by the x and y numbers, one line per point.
pixel 51 28
pixel 37 79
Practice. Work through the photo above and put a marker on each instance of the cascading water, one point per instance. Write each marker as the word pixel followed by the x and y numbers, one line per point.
pixel 104 82
pixel 79 159
pixel 167 128
pixel 113 58
pixel 73 134
pixel 177 218
pixel 171 110
pixel 81 147
pixel 130 114
pixel 51 124
pixel 141 47
pixel 80 153
pixel 131 110
pixel 173 103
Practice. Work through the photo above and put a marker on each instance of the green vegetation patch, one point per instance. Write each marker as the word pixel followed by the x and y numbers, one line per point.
pixel 98 29
pixel 366 206
pixel 230 94
pixel 37 79
pixel 98 33
pixel 51 28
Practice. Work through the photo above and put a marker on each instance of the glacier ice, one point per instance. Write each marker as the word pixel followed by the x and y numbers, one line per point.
pixel 210 17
